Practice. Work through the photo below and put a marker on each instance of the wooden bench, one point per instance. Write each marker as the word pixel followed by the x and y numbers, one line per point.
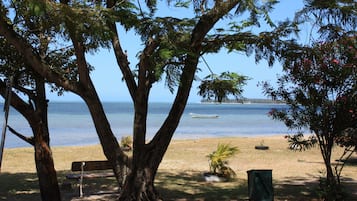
pixel 89 169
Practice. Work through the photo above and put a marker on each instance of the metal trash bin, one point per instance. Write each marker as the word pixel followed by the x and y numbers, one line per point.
pixel 260 185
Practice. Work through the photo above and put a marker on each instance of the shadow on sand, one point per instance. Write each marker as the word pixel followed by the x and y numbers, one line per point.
pixel 19 186
pixel 185 186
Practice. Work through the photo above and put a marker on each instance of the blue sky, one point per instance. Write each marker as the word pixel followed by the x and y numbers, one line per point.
pixel 107 77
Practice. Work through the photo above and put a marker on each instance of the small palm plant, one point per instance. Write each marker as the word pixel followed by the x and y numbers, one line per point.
pixel 218 160
pixel 126 143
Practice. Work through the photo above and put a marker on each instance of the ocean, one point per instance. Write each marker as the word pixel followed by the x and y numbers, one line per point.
pixel 70 123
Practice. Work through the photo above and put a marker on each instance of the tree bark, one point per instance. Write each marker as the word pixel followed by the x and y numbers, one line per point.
pixel 327 150
pixel 326 144
pixel 46 172
pixel 139 184
pixel 43 155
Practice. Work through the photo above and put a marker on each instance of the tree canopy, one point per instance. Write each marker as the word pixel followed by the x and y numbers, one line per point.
pixel 319 85
pixel 219 87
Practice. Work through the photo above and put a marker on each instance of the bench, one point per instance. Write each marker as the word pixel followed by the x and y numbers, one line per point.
pixel 89 169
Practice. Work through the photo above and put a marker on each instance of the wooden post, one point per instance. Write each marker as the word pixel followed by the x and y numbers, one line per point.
pixel 6 110
pixel 81 180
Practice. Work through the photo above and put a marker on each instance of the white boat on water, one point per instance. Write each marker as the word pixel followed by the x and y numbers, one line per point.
pixel 195 115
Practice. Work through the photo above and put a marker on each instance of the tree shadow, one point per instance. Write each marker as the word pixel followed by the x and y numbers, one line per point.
pixel 352 161
pixel 19 186
pixel 190 186
pixel 187 186
pixel 296 188
pixel 25 187
pixel 93 189
pixel 303 188
pixel 181 186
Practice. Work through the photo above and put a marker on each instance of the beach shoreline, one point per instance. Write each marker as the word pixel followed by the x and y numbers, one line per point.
pixel 189 151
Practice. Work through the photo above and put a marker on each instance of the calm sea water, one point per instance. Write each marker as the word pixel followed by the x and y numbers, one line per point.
pixel 71 124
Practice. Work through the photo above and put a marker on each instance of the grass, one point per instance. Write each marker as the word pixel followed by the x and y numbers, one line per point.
pixel 295 174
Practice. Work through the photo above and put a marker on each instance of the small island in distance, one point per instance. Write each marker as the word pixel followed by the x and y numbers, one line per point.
pixel 245 101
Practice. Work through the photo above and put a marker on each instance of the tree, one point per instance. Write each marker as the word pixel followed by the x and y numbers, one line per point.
pixel 219 87
pixel 319 83
pixel 172 48
pixel 68 43
pixel 31 86
pixel 319 86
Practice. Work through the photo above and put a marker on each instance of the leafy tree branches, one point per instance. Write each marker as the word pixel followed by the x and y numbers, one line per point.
pixel 331 19
pixel 219 87
pixel 319 86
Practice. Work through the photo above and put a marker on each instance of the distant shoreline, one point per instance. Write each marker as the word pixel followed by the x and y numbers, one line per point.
pixel 244 101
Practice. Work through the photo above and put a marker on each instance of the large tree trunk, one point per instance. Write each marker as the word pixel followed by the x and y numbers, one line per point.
pixel 330 177
pixel 139 185
pixel 330 187
pixel 45 169
pixel 43 155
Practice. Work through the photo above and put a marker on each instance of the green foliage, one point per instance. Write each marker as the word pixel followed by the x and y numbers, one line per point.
pixel 172 36
pixel 182 3
pixel 126 142
pixel 319 85
pixel 49 26
pixel 332 17
pixel 348 138
pixel 87 21
pixel 37 8
pixel 220 87
pixel 13 65
pixel 298 142
pixel 218 160
pixel 257 10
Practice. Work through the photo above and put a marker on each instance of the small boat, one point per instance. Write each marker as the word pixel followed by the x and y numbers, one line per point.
pixel 195 115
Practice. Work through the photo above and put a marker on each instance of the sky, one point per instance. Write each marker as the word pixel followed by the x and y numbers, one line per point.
pixel 107 77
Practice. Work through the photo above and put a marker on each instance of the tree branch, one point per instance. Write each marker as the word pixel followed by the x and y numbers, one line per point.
pixel 204 25
pixel 122 61
pixel 31 57
pixel 79 49
pixel 29 140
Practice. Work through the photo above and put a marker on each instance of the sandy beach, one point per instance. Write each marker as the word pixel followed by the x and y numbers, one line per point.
pixel 295 174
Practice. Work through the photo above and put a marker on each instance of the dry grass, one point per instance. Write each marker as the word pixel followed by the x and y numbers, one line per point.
pixel 180 172
pixel 283 162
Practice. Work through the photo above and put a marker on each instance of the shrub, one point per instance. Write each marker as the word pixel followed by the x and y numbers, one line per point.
pixel 218 160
